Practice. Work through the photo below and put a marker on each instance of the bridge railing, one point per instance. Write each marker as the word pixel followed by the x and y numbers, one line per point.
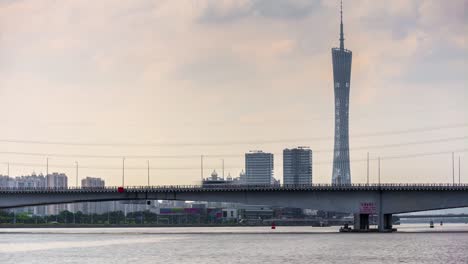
pixel 247 186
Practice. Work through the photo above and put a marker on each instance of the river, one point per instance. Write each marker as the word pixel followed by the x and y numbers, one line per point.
pixel 412 244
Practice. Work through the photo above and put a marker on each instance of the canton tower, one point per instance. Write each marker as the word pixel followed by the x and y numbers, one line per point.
pixel 341 75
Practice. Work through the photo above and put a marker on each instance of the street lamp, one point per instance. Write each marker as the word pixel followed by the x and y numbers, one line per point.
pixel 123 172
pixel 76 163
pixel 148 173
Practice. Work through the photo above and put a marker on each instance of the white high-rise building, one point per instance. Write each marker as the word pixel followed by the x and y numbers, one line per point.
pixel 92 182
pixel 259 167
pixel 56 180
pixel 28 181
pixel 297 166
pixel 94 207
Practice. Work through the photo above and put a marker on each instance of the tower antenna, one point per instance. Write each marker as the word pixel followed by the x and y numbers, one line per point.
pixel 341 27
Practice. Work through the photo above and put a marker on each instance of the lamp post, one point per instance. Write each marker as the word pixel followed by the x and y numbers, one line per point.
pixel 76 164
pixel 459 177
pixel 148 172
pixel 453 168
pixel 379 171
pixel 222 160
pixel 201 171
pixel 367 168
pixel 123 172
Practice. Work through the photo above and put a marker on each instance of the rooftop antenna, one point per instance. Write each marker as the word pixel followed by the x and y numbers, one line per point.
pixel 341 27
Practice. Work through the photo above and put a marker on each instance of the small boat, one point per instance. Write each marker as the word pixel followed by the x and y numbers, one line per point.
pixel 346 228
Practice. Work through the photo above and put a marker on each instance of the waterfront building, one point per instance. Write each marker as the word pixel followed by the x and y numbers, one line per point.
pixel 28 181
pixel 4 181
pixel 56 180
pixel 230 214
pixel 259 167
pixel 242 177
pixel 216 180
pixel 297 166
pixel 239 180
pixel 342 81
pixel 92 182
pixel 93 207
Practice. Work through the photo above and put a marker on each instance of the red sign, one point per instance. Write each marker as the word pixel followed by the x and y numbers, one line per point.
pixel 367 208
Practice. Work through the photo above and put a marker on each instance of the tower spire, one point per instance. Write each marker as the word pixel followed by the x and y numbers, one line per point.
pixel 341 27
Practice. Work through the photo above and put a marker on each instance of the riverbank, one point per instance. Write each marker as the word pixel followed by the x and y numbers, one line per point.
pixel 60 225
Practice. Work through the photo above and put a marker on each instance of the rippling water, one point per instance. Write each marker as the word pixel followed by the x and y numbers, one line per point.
pixel 413 244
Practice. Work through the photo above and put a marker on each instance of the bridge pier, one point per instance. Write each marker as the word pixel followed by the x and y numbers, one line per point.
pixel 361 222
pixel 388 222
pixel 385 222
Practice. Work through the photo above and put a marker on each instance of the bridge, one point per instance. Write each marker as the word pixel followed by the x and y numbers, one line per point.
pixel 362 200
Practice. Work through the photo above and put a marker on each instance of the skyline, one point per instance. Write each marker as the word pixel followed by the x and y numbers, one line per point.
pixel 408 68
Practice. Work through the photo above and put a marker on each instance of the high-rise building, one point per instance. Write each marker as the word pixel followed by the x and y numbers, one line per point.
pixel 91 182
pixel 297 166
pixel 93 207
pixel 5 181
pixel 56 180
pixel 259 167
pixel 29 181
pixel 342 76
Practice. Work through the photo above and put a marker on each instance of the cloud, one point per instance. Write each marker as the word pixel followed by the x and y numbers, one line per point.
pixel 231 10
pixel 182 68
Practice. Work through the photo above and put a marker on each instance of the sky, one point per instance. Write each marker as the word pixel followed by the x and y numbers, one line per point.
pixel 168 81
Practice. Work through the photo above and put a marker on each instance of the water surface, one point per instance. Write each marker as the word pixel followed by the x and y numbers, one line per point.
pixel 413 244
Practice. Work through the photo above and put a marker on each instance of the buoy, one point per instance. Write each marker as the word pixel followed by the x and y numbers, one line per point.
pixel 273 225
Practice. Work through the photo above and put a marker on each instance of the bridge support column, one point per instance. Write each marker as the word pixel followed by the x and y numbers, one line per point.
pixel 385 222
pixel 361 221
pixel 388 223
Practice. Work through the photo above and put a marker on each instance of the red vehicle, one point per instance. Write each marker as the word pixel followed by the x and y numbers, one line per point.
pixel 121 189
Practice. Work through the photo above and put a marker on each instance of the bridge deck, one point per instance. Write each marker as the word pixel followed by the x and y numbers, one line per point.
pixel 243 188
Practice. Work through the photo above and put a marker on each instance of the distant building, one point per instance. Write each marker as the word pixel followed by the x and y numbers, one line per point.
pixel 215 180
pixel 4 181
pixel 255 212
pixel 242 177
pixel 32 181
pixel 56 180
pixel 259 167
pixel 91 182
pixel 297 166
pixel 230 214
pixel 238 180
pixel 29 181
pixel 93 207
